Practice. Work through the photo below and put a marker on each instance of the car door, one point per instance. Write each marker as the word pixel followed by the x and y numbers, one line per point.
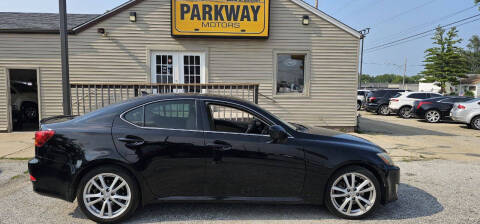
pixel 248 165
pixel 165 143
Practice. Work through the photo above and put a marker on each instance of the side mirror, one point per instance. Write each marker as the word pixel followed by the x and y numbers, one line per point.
pixel 278 134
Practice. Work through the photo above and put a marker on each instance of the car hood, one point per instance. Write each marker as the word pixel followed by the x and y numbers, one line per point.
pixel 317 133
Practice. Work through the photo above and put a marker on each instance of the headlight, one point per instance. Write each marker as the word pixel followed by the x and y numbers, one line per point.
pixel 386 158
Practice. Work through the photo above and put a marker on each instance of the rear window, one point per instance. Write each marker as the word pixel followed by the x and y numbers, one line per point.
pixel 378 93
pixel 135 116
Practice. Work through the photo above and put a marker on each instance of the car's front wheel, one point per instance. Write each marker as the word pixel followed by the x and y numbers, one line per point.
pixel 475 123
pixel 108 195
pixel 353 193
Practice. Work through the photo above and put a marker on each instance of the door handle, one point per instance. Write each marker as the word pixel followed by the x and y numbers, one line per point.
pixel 132 141
pixel 220 146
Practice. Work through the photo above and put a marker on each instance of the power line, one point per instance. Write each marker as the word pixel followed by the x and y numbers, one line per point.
pixel 399 43
pixel 405 12
pixel 406 31
pixel 422 33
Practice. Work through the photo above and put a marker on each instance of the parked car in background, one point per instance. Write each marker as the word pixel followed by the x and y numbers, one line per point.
pixel 24 101
pixel 467 112
pixel 436 109
pixel 361 98
pixel 183 147
pixel 377 100
pixel 402 104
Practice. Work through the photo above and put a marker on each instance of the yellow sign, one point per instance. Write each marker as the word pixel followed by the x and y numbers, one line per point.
pixel 223 18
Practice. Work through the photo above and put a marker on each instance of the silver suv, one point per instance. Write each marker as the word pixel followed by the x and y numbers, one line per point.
pixel 467 112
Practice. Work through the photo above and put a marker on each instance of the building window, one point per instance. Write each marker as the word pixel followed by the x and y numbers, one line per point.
pixel 291 73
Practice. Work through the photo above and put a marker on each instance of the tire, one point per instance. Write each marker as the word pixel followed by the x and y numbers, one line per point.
pixel 405 112
pixel 359 105
pixel 335 198
pixel 475 123
pixel 383 110
pixel 127 195
pixel 433 116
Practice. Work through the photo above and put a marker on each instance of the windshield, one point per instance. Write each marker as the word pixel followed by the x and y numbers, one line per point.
pixel 290 125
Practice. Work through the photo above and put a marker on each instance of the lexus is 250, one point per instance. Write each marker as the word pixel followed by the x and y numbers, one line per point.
pixel 204 148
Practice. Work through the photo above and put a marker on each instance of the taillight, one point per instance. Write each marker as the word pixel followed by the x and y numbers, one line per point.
pixel 32 178
pixel 422 103
pixel 371 99
pixel 394 100
pixel 460 106
pixel 42 137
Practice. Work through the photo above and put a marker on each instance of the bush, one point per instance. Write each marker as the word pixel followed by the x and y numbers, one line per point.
pixel 470 93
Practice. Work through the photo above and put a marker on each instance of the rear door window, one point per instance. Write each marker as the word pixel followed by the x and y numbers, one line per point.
pixel 172 114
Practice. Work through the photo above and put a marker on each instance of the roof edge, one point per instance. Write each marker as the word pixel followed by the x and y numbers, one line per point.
pixel 105 16
pixel 32 31
pixel 329 18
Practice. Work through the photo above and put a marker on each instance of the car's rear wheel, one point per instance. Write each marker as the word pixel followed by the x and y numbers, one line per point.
pixel 475 123
pixel 108 195
pixel 432 116
pixel 405 112
pixel 353 193
pixel 383 110
pixel 359 105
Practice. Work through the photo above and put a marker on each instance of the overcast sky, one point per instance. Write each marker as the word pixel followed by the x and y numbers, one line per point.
pixel 389 19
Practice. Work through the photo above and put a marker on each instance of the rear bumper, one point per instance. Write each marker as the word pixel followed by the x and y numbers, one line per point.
pixel 52 178
pixel 392 180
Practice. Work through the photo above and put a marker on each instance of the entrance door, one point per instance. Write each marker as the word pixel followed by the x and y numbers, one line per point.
pixel 178 68
pixel 24 99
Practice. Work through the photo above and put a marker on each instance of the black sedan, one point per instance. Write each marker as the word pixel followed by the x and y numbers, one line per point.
pixel 167 148
pixel 436 109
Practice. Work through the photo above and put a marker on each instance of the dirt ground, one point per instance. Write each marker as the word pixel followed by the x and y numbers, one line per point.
pixel 413 139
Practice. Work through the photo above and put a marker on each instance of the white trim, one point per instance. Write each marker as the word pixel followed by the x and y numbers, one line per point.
pixel 178 65
pixel 306 72
pixel 301 3
pixel 9 97
pixel 330 19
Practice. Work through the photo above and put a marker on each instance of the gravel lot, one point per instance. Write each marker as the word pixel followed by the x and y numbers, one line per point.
pixel 413 139
pixel 437 191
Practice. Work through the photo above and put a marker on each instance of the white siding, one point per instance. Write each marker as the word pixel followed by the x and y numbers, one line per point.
pixel 122 57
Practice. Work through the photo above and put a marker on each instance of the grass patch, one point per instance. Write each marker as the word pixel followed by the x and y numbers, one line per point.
pixel 16 177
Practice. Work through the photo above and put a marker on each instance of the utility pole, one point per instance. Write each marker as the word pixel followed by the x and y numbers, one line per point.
pixel 316 4
pixel 364 32
pixel 404 73
pixel 67 109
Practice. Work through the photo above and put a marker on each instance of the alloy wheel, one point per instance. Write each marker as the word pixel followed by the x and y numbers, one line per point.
pixel 107 195
pixel 353 194
pixel 406 112
pixel 384 110
pixel 432 116
pixel 476 123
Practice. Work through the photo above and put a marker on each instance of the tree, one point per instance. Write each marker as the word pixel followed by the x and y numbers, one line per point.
pixel 472 55
pixel 445 63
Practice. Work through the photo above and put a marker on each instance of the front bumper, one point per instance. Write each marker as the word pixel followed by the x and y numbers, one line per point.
pixel 392 180
pixel 52 178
